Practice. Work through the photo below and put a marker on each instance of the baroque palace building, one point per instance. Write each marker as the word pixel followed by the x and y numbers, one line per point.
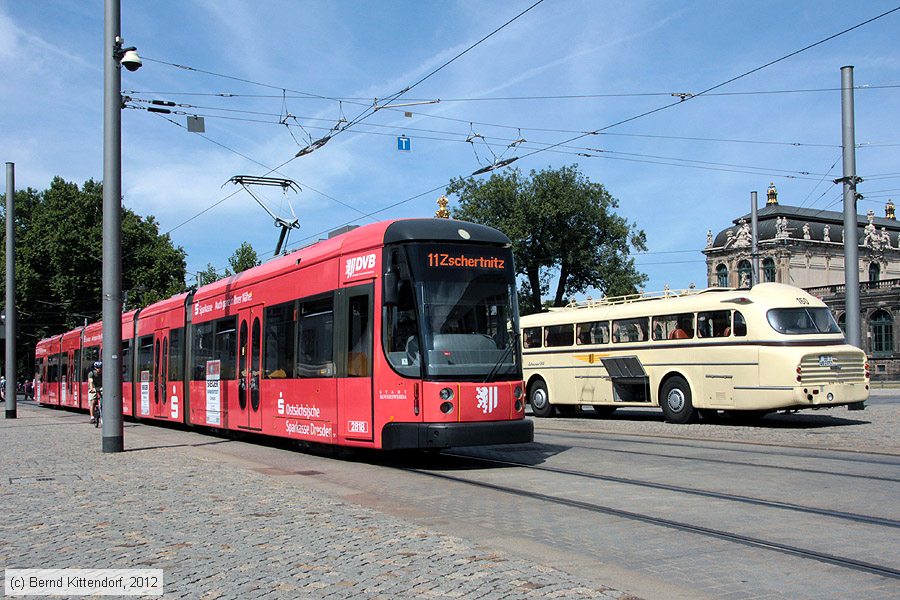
pixel 805 247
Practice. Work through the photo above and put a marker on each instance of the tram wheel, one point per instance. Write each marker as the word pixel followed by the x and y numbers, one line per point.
pixel 675 401
pixel 602 410
pixel 540 399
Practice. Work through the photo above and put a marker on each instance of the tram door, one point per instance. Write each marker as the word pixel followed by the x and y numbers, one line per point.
pixel 249 364
pixel 160 409
pixel 355 409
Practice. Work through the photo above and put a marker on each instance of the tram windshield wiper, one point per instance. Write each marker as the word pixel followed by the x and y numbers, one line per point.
pixel 513 343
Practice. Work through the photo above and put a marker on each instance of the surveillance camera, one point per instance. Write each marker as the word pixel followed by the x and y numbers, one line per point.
pixel 131 60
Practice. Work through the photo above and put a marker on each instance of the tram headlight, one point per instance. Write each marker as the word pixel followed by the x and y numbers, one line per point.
pixel 517 392
pixel 446 394
pixel 446 407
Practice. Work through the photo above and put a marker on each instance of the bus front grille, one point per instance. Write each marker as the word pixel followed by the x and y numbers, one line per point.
pixel 820 369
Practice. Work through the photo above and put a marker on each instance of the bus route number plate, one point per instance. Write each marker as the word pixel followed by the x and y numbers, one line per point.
pixel 826 360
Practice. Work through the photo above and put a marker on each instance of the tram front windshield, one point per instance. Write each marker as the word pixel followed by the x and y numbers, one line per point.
pixel 456 318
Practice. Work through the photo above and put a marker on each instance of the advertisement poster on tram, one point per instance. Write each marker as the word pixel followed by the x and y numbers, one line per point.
pixel 145 393
pixel 213 397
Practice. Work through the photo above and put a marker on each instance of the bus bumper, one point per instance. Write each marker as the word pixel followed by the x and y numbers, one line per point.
pixel 397 436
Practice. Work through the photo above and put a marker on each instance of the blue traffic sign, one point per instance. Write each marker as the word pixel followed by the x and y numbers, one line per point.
pixel 403 143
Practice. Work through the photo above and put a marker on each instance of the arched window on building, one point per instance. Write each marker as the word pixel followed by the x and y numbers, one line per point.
pixel 874 271
pixel 744 270
pixel 768 270
pixel 881 324
pixel 722 276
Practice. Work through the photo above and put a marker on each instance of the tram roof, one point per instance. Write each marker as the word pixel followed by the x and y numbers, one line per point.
pixel 359 239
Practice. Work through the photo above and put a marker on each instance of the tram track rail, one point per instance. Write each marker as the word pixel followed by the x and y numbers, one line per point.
pixel 711 440
pixel 751 541
pixel 871 520
pixel 596 438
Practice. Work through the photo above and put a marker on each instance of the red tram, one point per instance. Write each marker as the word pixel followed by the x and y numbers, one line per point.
pixel 399 334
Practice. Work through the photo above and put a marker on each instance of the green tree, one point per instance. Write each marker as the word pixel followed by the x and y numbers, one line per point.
pixel 244 258
pixel 59 239
pixel 562 225
pixel 209 275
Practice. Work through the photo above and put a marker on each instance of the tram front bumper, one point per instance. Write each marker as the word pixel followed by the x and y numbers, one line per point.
pixel 397 436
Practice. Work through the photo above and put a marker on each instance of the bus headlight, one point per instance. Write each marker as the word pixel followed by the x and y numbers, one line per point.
pixel 446 394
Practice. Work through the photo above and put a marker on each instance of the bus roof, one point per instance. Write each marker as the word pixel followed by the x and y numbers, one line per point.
pixel 764 295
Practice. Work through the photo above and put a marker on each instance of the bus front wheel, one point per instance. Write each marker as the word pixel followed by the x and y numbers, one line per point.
pixel 540 399
pixel 675 401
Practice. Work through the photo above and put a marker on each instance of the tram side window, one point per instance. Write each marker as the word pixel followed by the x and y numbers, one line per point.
pixel 53 370
pixel 226 347
pixel 280 342
pixel 559 335
pixel 740 325
pixel 126 361
pixel 89 356
pixel 145 355
pixel 531 337
pixel 359 342
pixel 673 327
pixel 596 332
pixel 715 323
pixel 201 349
pixel 631 330
pixel 315 338
pixel 176 354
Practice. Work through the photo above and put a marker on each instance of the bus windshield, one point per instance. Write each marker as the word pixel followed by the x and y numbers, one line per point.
pixel 456 318
pixel 798 321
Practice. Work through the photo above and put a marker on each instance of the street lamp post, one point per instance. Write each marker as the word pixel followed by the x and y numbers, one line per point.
pixel 114 57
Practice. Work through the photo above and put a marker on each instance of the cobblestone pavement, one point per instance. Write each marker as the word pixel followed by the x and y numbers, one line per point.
pixel 871 430
pixel 220 530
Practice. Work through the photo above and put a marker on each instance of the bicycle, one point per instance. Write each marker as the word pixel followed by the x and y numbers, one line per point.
pixel 98 410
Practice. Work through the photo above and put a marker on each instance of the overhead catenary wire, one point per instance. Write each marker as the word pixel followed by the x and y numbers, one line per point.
pixel 724 83
pixel 596 132
pixel 360 100
pixel 505 144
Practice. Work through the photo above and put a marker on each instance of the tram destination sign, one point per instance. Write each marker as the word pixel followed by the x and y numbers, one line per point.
pixel 440 260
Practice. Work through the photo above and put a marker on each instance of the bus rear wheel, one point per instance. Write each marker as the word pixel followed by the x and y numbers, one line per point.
pixel 675 401
pixel 540 399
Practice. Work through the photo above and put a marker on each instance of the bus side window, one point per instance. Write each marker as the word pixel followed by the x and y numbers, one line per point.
pixel 740 325
pixel 594 332
pixel 559 335
pixel 532 337
pixel 714 323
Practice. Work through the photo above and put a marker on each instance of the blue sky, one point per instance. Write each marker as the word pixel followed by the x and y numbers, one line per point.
pixel 627 57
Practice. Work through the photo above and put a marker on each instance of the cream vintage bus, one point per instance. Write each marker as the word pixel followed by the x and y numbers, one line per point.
pixel 693 353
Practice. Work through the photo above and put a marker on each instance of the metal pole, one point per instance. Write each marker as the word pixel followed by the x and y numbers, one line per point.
pixel 851 236
pixel 754 245
pixel 10 291
pixel 112 231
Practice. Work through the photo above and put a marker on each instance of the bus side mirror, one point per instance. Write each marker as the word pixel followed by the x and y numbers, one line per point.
pixel 391 285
